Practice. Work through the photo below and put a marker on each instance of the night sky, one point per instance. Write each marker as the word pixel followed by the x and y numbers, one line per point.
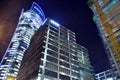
pixel 74 15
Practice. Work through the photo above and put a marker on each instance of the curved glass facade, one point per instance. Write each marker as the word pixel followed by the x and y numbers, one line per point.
pixel 36 8
pixel 29 22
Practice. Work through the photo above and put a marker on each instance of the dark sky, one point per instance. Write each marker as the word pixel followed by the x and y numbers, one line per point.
pixel 74 15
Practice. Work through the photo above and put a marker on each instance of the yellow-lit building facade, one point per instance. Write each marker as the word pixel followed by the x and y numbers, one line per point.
pixel 107 18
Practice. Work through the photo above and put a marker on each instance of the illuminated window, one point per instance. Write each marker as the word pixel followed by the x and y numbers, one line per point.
pixel 51 66
pixel 64 58
pixel 64 64
pixel 74 68
pixel 53 37
pixel 52 53
pixel 64 53
pixel 53 42
pixel 50 73
pixel 63 77
pixel 75 74
pixel 53 47
pixel 73 57
pixel 63 47
pixel 51 59
pixel 64 70
pixel 74 62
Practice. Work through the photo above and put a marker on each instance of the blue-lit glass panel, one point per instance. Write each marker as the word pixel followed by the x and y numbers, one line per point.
pixel 36 8
pixel 24 45
pixel 55 23
pixel 109 5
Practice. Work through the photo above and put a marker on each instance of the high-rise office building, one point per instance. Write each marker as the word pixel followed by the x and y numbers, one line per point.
pixel 107 18
pixel 53 54
pixel 29 22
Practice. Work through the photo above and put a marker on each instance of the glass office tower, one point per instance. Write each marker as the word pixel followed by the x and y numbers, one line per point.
pixel 107 18
pixel 29 22
pixel 53 54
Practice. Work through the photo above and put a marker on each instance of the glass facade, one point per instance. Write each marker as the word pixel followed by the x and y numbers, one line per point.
pixel 29 22
pixel 107 18
pixel 61 58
